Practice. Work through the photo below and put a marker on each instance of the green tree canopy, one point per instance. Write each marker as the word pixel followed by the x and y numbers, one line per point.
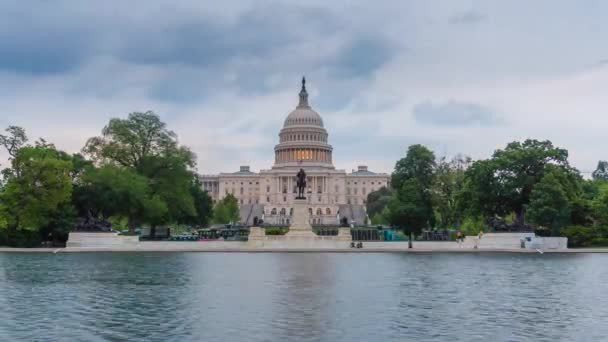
pixel 418 163
pixel 226 210
pixel 37 186
pixel 447 186
pixel 549 203
pixel 143 144
pixel 14 140
pixel 203 205
pixel 504 183
pixel 408 209
pixel 378 200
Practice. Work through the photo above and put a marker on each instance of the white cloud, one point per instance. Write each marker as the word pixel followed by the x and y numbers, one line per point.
pixel 367 65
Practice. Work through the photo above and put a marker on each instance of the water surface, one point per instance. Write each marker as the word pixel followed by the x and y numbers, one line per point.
pixel 303 297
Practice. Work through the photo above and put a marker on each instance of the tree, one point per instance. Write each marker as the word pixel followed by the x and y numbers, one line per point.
pixel 143 144
pixel 601 171
pixel 116 191
pixel 504 183
pixel 418 164
pixel 226 210
pixel 600 205
pixel 15 139
pixel 449 181
pixel 549 204
pixel 377 201
pixel 128 142
pixel 36 188
pixel 203 204
pixel 407 210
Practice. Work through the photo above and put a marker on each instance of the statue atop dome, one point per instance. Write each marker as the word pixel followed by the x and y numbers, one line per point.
pixel 303 95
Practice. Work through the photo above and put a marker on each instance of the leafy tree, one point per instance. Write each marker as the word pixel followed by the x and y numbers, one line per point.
pixel 449 181
pixel 115 191
pixel 579 236
pixel 15 139
pixel 600 205
pixel 226 210
pixel 418 163
pixel 37 187
pixel 408 210
pixel 142 143
pixel 549 203
pixel 601 171
pixel 504 183
pixel 382 217
pixel 203 204
pixel 129 142
pixel 378 200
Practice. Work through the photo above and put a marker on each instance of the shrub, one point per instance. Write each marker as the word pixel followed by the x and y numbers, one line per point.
pixel 471 226
pixel 579 236
pixel 19 238
pixel 276 231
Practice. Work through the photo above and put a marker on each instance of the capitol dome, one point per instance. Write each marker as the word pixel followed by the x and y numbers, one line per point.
pixel 303 139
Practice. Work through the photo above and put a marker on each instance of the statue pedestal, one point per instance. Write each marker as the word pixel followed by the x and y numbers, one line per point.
pixel 344 234
pixel 300 221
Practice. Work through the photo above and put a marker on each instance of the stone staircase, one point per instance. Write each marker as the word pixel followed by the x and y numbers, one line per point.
pixel 248 212
pixel 354 212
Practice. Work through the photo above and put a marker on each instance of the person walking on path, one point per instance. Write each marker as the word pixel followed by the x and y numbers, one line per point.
pixel 479 236
pixel 459 238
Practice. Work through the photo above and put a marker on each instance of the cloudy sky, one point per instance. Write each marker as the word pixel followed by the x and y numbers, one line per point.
pixel 458 76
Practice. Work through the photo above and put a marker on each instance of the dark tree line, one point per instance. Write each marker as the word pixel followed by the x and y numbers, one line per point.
pixel 134 173
pixel 527 184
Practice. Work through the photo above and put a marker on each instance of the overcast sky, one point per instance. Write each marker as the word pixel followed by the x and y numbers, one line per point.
pixel 458 76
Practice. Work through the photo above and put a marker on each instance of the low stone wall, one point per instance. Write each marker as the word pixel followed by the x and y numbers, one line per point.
pixel 100 239
pixel 259 239
pixel 514 241
pixel 539 242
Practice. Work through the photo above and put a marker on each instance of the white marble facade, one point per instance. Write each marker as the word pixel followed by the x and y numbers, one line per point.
pixel 270 194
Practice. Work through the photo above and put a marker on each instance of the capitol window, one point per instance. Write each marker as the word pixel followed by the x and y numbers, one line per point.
pixel 273 211
pixel 328 211
pixel 319 212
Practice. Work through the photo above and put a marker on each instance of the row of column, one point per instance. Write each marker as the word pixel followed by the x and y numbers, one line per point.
pixel 289 183
pixel 298 154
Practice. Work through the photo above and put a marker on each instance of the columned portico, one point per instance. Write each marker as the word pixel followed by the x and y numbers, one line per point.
pixel 270 194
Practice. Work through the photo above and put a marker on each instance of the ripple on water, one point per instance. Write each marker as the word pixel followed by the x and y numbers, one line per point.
pixel 303 297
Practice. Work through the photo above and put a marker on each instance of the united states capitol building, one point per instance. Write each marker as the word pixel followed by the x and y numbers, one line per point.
pixel 303 143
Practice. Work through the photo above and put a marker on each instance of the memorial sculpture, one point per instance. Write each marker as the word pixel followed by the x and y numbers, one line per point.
pixel 301 183
pixel 500 225
pixel 91 224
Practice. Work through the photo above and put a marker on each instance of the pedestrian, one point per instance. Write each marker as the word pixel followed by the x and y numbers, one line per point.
pixel 459 238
